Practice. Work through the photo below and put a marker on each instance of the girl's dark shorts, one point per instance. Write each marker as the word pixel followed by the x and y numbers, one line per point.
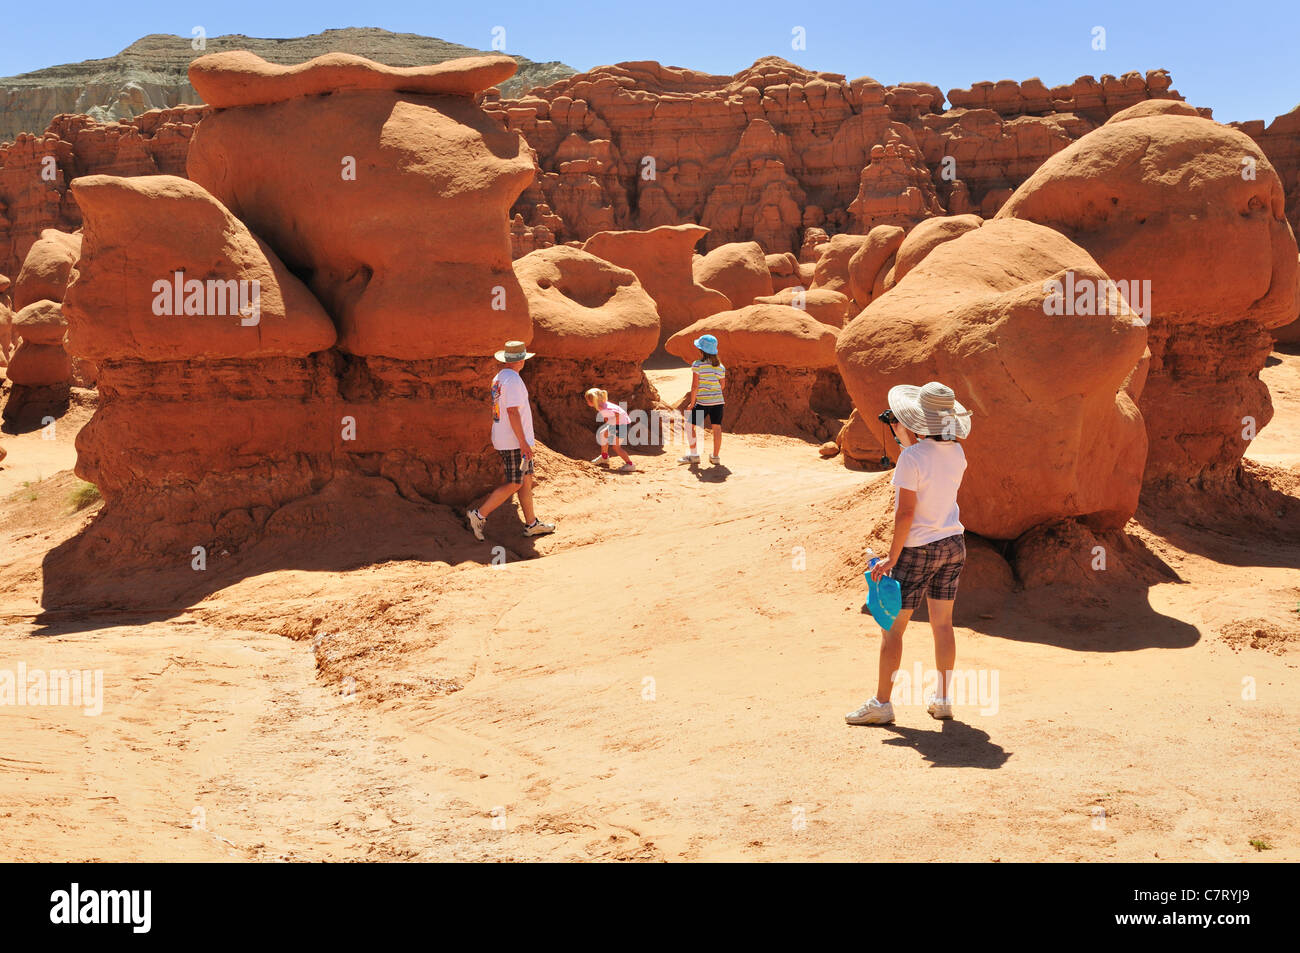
pixel 713 412
pixel 930 571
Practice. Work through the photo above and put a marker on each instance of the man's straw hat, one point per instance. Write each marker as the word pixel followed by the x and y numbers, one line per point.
pixel 514 351
pixel 930 410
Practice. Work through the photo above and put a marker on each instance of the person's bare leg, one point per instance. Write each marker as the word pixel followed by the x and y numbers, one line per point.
pixel 618 448
pixel 891 655
pixel 497 497
pixel 526 499
pixel 690 432
pixel 945 641
pixel 717 440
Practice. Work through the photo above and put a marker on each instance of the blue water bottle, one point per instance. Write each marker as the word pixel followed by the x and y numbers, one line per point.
pixel 884 598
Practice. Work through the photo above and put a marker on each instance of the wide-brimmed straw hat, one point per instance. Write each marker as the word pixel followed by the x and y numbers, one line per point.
pixel 930 410
pixel 513 351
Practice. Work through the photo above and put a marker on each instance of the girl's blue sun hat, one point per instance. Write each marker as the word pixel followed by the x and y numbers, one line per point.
pixel 707 343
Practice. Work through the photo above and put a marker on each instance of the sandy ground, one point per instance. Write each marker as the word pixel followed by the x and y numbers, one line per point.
pixel 667 682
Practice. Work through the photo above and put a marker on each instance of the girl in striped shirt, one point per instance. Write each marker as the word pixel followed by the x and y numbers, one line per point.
pixel 705 399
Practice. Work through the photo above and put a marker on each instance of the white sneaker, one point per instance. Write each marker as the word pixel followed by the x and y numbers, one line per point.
pixel 940 708
pixel 626 468
pixel 714 459
pixel 691 458
pixel 476 523
pixel 601 461
pixel 538 528
pixel 872 712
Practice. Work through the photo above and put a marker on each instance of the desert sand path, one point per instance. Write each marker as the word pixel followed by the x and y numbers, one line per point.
pixel 667 682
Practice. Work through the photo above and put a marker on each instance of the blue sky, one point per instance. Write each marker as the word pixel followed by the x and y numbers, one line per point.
pixel 1238 58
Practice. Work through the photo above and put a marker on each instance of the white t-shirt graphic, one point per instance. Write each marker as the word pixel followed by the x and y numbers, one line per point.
pixel 509 390
pixel 933 468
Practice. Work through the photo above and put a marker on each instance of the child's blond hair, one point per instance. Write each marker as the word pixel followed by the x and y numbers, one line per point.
pixel 597 398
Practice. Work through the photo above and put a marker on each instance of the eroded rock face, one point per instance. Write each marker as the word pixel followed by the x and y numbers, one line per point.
pixel 1052 436
pixel 781 375
pixel 738 270
pixel 443 173
pixel 40 369
pixel 661 259
pixel 212 417
pixel 593 326
pixel 1163 200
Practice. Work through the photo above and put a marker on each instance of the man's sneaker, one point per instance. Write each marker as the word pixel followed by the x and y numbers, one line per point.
pixel 626 468
pixel 538 528
pixel 714 459
pixel 601 461
pixel 872 712
pixel 940 708
pixel 691 458
pixel 476 523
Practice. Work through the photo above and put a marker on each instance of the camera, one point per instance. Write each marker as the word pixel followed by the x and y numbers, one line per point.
pixel 887 417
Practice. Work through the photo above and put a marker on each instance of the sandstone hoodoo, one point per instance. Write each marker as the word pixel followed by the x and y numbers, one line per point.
pixel 828 307
pixel 593 326
pixel 972 315
pixel 871 262
pixel 926 237
pixel 781 375
pixel 40 369
pixel 1191 216
pixel 661 260
pixel 374 368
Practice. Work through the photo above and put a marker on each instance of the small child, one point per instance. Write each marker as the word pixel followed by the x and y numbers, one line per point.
pixel 613 430
pixel 705 399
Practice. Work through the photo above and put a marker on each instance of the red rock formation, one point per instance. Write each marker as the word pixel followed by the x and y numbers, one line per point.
pixel 737 269
pixel 661 259
pixel 1163 199
pixel 40 369
pixel 593 326
pixel 33 189
pixel 209 422
pixel 971 315
pixel 781 375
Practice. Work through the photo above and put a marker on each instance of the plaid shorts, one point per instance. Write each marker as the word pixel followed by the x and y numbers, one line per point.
pixel 931 570
pixel 516 465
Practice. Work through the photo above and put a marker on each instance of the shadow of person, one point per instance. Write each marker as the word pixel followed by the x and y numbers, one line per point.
pixel 955 745
pixel 714 473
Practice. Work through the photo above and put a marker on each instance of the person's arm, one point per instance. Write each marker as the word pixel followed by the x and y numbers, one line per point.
pixel 517 425
pixel 903 518
pixel 695 385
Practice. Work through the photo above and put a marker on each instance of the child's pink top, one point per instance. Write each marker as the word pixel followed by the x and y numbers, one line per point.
pixel 614 414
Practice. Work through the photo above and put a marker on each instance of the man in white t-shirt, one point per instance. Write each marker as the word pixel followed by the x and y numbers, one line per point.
pixel 929 548
pixel 512 436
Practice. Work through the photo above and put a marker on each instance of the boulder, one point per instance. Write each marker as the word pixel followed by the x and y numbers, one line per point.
pixel 781 375
pixel 828 307
pixel 737 269
pixel 1192 214
pixel 875 255
pixel 45 271
pixel 926 237
pixel 1052 436
pixel 593 326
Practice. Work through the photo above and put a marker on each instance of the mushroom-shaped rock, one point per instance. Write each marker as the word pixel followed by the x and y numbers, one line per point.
pixel 45 271
pixel 168 273
pixel 593 326
pixel 403 229
pixel 781 374
pixel 976 314
pixel 927 236
pixel 873 256
pixel 662 259
pixel 40 369
pixel 828 307
pixel 737 269
pixel 1164 203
